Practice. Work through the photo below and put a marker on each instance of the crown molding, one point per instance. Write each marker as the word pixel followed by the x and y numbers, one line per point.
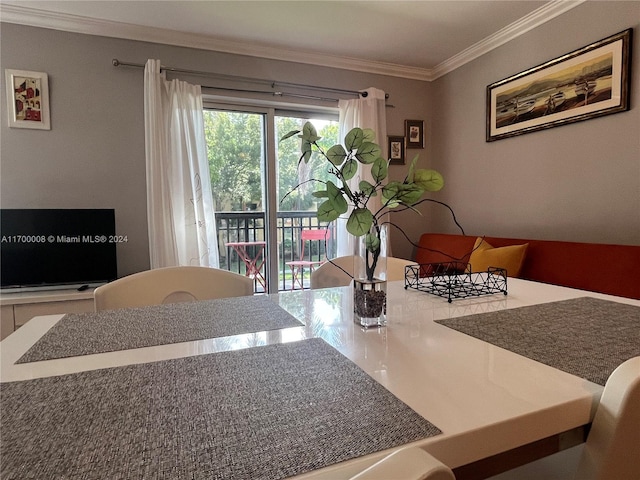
pixel 90 26
pixel 536 18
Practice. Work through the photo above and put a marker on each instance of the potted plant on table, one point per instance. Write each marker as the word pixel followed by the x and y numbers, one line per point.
pixel 364 222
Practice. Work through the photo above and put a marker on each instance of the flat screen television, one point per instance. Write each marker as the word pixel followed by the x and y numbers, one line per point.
pixel 56 248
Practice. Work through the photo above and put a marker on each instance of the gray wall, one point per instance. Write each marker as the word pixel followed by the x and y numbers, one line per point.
pixel 577 182
pixel 93 157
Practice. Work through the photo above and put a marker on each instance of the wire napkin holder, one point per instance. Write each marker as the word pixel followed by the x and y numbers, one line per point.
pixel 454 280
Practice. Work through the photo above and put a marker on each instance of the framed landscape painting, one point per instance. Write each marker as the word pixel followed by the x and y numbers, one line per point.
pixel 27 99
pixel 586 83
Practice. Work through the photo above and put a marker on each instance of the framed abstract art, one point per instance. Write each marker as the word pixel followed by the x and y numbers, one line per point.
pixel 28 99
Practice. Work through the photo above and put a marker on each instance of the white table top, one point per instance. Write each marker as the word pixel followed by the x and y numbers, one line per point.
pixel 484 399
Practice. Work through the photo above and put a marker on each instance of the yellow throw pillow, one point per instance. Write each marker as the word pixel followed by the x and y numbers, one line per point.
pixel 510 258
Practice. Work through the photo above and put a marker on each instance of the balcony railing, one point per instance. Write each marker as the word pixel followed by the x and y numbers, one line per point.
pixel 250 227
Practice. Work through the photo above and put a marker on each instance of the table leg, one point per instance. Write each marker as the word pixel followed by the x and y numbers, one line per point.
pixel 252 268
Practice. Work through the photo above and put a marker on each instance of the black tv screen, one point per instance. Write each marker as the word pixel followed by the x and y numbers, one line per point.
pixel 57 248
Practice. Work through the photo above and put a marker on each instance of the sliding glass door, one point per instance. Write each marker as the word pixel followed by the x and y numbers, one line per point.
pixel 262 196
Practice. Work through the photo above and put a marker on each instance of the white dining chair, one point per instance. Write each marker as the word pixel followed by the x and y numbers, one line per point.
pixel 395 268
pixel 171 285
pixel 339 271
pixel 612 449
pixel 411 463
pixel 335 273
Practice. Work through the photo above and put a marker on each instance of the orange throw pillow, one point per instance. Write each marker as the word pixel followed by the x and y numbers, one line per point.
pixel 510 258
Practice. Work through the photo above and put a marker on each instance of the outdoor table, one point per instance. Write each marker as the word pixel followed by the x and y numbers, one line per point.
pixel 255 262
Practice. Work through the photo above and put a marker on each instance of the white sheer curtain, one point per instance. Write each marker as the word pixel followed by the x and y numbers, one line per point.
pixel 363 112
pixel 182 229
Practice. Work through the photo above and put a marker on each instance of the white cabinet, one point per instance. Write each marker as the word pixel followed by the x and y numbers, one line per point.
pixel 16 309
pixel 7 324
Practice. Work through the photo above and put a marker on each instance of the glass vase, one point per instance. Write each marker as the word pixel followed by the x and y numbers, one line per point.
pixel 370 278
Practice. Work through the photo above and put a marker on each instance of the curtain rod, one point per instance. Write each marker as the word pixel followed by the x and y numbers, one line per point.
pixel 273 84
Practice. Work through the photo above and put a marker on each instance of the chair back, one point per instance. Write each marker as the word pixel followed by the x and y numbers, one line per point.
pixel 409 463
pixel 171 285
pixel 311 235
pixel 332 273
pixel 395 268
pixel 612 449
pixel 337 272
pixel 315 234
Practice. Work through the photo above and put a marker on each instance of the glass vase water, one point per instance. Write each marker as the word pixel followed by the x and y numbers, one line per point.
pixel 370 280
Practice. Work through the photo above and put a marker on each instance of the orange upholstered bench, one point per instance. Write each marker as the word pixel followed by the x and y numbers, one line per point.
pixel 611 269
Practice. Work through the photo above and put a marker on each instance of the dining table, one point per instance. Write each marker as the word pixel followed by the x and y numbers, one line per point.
pixel 291 387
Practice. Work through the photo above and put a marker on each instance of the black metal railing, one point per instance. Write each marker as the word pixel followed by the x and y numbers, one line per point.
pixel 250 227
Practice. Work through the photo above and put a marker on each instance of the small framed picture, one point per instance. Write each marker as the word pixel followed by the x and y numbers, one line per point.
pixel 27 99
pixel 396 150
pixel 414 132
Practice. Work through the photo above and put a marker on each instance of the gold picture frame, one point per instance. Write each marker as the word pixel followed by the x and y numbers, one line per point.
pixel 586 83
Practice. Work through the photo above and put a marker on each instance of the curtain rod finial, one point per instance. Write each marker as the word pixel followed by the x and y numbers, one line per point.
pixel 115 62
pixel 364 94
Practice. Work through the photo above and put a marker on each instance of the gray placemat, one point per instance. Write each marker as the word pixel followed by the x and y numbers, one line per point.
pixel 587 337
pixel 261 413
pixel 123 329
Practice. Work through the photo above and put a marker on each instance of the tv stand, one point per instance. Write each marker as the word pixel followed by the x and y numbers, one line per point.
pixel 16 309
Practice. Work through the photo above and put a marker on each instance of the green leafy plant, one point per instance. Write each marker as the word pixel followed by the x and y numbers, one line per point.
pixel 360 149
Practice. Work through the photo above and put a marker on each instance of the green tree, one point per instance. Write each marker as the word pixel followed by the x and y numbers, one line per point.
pixel 234 146
pixel 292 172
pixel 235 149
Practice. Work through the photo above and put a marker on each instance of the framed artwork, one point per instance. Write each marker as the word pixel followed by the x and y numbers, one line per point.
pixel 414 133
pixel 586 83
pixel 27 99
pixel 396 150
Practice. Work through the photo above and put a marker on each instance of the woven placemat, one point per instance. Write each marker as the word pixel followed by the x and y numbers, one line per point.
pixel 261 413
pixel 123 329
pixel 587 337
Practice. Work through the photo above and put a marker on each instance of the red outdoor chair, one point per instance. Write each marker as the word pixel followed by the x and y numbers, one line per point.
pixel 320 235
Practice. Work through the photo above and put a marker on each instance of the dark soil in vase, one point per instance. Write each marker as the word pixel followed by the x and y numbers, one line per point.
pixel 370 302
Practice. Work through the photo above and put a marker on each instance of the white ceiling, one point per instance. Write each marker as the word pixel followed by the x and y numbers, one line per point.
pixel 414 39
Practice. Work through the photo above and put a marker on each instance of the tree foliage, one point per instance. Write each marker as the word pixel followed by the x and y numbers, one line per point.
pixel 235 152
pixel 234 149
pixel 293 173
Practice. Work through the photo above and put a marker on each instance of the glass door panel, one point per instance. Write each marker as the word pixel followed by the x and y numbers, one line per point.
pixel 251 207
pixel 236 151
pixel 297 207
